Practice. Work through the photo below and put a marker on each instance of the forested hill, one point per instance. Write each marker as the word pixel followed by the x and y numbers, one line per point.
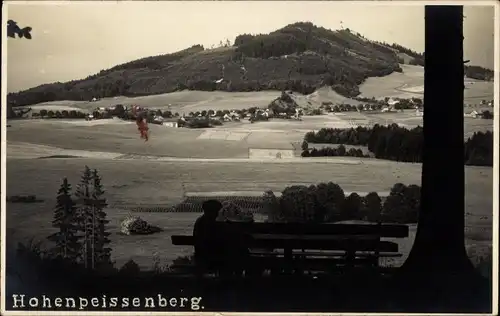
pixel 300 57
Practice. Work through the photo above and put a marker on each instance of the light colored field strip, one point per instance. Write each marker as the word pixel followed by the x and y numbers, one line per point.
pixel 223 135
pixel 260 193
pixel 33 151
pixel 264 160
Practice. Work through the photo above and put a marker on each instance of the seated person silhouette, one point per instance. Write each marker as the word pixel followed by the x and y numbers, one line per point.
pixel 235 249
pixel 208 248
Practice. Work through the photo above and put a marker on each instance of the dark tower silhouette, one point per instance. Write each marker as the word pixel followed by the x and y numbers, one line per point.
pixel 438 260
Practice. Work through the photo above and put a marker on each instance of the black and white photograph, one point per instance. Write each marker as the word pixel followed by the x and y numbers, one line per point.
pixel 250 156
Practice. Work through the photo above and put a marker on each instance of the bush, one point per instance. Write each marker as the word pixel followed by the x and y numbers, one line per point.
pixel 297 204
pixel 402 205
pixel 215 122
pixel 130 268
pixel 181 264
pixel 479 149
pixel 198 123
pixel 352 206
pixel 271 207
pixel 316 112
pixel 23 199
pixel 372 207
pixel 329 198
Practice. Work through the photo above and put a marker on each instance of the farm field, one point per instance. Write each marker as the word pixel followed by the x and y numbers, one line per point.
pixel 232 140
pixel 140 183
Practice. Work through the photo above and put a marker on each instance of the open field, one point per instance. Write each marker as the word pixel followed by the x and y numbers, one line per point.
pixel 232 140
pixel 410 84
pixel 138 183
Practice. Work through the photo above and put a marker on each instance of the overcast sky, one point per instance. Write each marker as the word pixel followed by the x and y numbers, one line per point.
pixel 72 41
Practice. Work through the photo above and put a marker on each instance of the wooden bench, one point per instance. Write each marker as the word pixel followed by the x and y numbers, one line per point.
pixel 313 247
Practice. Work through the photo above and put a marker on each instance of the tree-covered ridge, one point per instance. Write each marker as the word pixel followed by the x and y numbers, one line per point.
pixel 300 57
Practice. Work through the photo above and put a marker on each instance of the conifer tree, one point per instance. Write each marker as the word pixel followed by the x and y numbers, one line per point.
pixel 101 253
pixel 66 239
pixel 84 213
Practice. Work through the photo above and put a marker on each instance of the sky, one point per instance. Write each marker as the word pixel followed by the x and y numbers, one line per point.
pixel 73 40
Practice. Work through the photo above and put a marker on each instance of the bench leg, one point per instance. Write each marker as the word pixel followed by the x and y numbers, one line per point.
pixel 350 258
pixel 288 254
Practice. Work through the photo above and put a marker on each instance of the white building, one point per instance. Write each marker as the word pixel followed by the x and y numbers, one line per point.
pixel 473 114
pixel 171 124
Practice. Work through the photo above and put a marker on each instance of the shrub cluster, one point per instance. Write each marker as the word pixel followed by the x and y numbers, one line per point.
pixel 339 151
pixel 23 199
pixel 73 114
pixel 199 122
pixel 327 202
pixel 232 212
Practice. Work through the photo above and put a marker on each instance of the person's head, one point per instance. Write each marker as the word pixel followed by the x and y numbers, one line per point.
pixel 211 208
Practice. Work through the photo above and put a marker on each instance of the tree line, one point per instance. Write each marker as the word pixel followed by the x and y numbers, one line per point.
pixel 418 59
pixel 340 151
pixel 327 202
pixel 398 143
pixel 479 73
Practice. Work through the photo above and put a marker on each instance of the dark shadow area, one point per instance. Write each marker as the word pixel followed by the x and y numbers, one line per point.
pixel 59 157
pixel 243 266
pixel 363 290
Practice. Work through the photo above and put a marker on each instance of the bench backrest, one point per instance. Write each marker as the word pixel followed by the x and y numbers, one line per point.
pixel 361 237
pixel 381 230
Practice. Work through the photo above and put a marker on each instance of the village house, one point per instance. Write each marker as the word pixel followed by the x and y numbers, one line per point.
pixel 171 122
pixel 391 102
pixel 473 114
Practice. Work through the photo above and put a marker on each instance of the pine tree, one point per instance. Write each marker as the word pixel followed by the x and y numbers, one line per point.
pixel 101 255
pixel 84 213
pixel 66 239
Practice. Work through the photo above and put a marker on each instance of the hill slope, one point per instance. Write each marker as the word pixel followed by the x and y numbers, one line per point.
pixel 300 57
